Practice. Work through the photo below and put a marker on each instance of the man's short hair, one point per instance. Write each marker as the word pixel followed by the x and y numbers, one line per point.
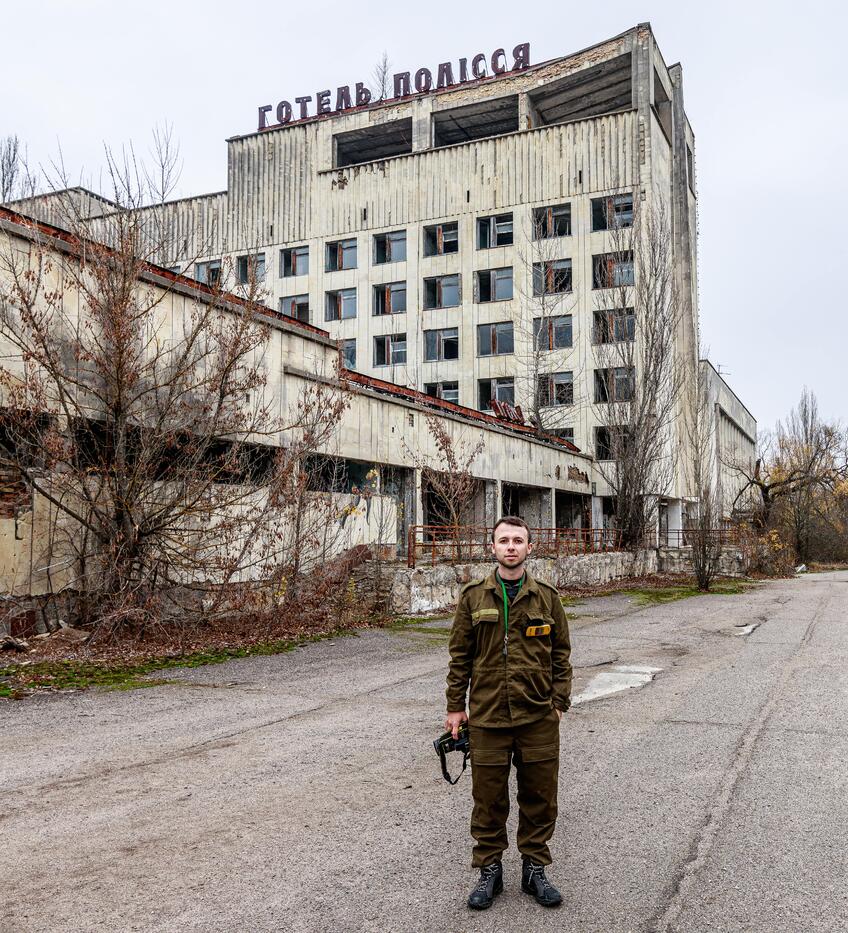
pixel 511 520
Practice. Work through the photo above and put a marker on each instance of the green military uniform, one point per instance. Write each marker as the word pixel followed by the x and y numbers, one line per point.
pixel 517 683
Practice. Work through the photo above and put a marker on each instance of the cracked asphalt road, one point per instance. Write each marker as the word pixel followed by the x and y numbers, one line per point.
pixel 301 792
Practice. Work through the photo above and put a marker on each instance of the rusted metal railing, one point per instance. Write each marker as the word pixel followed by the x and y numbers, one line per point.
pixel 463 543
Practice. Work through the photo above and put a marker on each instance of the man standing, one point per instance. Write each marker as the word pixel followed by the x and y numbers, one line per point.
pixel 510 642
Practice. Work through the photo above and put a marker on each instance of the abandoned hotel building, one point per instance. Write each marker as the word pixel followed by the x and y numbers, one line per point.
pixel 455 239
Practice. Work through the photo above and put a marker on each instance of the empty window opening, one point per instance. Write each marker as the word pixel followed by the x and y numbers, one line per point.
pixel 294 261
pixel 441 344
pixel 662 107
pixel 340 304
pixel 341 255
pixel 296 306
pixel 441 238
pixel 494 285
pixel 555 389
pixel 373 142
pixel 448 391
pixel 552 277
pixel 617 384
pixel 389 349
pixel 476 121
pixel 612 270
pixel 611 442
pixel 349 354
pixel 613 212
pixel 209 273
pixel 389 247
pixel 250 268
pixel 616 325
pixel 489 390
pixel 552 333
pixel 390 299
pixel 494 231
pixel 442 292
pixel 552 221
pixel 603 88
pixel 495 339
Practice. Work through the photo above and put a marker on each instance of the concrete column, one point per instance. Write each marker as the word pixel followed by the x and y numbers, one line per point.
pixel 422 125
pixel 597 512
pixel 527 114
pixel 418 505
pixel 551 508
pixel 493 501
pixel 675 521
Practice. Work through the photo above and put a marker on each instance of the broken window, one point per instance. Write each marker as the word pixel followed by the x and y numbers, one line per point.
pixel 296 306
pixel 567 434
pixel 441 238
pixel 389 247
pixel 495 339
pixel 371 143
pixel 389 349
pixel 494 285
pixel 341 255
pixel 552 333
pixel 494 231
pixel 614 212
pixel 441 292
pixel 551 221
pixel 447 391
pixel 552 277
pixel 475 121
pixel 209 273
pixel 611 442
pixel 349 354
pixel 390 298
pixel 617 384
pixel 340 304
pixel 441 344
pixel 613 326
pixel 555 389
pixel 501 390
pixel 250 268
pixel 294 261
pixel 612 270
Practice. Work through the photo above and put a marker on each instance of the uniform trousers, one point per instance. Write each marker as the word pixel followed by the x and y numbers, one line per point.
pixel 534 750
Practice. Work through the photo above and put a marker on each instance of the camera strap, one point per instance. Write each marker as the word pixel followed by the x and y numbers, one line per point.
pixel 444 761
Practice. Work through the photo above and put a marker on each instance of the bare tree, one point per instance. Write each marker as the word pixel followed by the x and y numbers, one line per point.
pixel 16 179
pixel 449 481
pixel 641 366
pixel 543 324
pixel 144 419
pixel 381 78
pixel 796 470
pixel 702 529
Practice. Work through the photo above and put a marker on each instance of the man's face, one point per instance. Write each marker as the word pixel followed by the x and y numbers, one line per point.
pixel 511 546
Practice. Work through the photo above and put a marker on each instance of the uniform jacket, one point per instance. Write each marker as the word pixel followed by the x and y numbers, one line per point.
pixel 535 673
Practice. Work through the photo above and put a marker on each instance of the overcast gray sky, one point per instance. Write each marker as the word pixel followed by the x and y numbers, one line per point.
pixel 764 89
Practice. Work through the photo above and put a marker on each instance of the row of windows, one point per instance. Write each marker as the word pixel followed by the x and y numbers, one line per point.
pixel 610 270
pixel 555 332
pixel 614 211
pixel 615 384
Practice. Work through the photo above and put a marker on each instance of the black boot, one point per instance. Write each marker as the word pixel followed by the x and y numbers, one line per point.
pixel 490 884
pixel 533 881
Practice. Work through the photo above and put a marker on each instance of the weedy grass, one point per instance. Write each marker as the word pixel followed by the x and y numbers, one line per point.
pixel 20 680
pixel 670 594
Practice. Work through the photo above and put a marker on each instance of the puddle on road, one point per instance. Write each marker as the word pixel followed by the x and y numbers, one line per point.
pixel 623 677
